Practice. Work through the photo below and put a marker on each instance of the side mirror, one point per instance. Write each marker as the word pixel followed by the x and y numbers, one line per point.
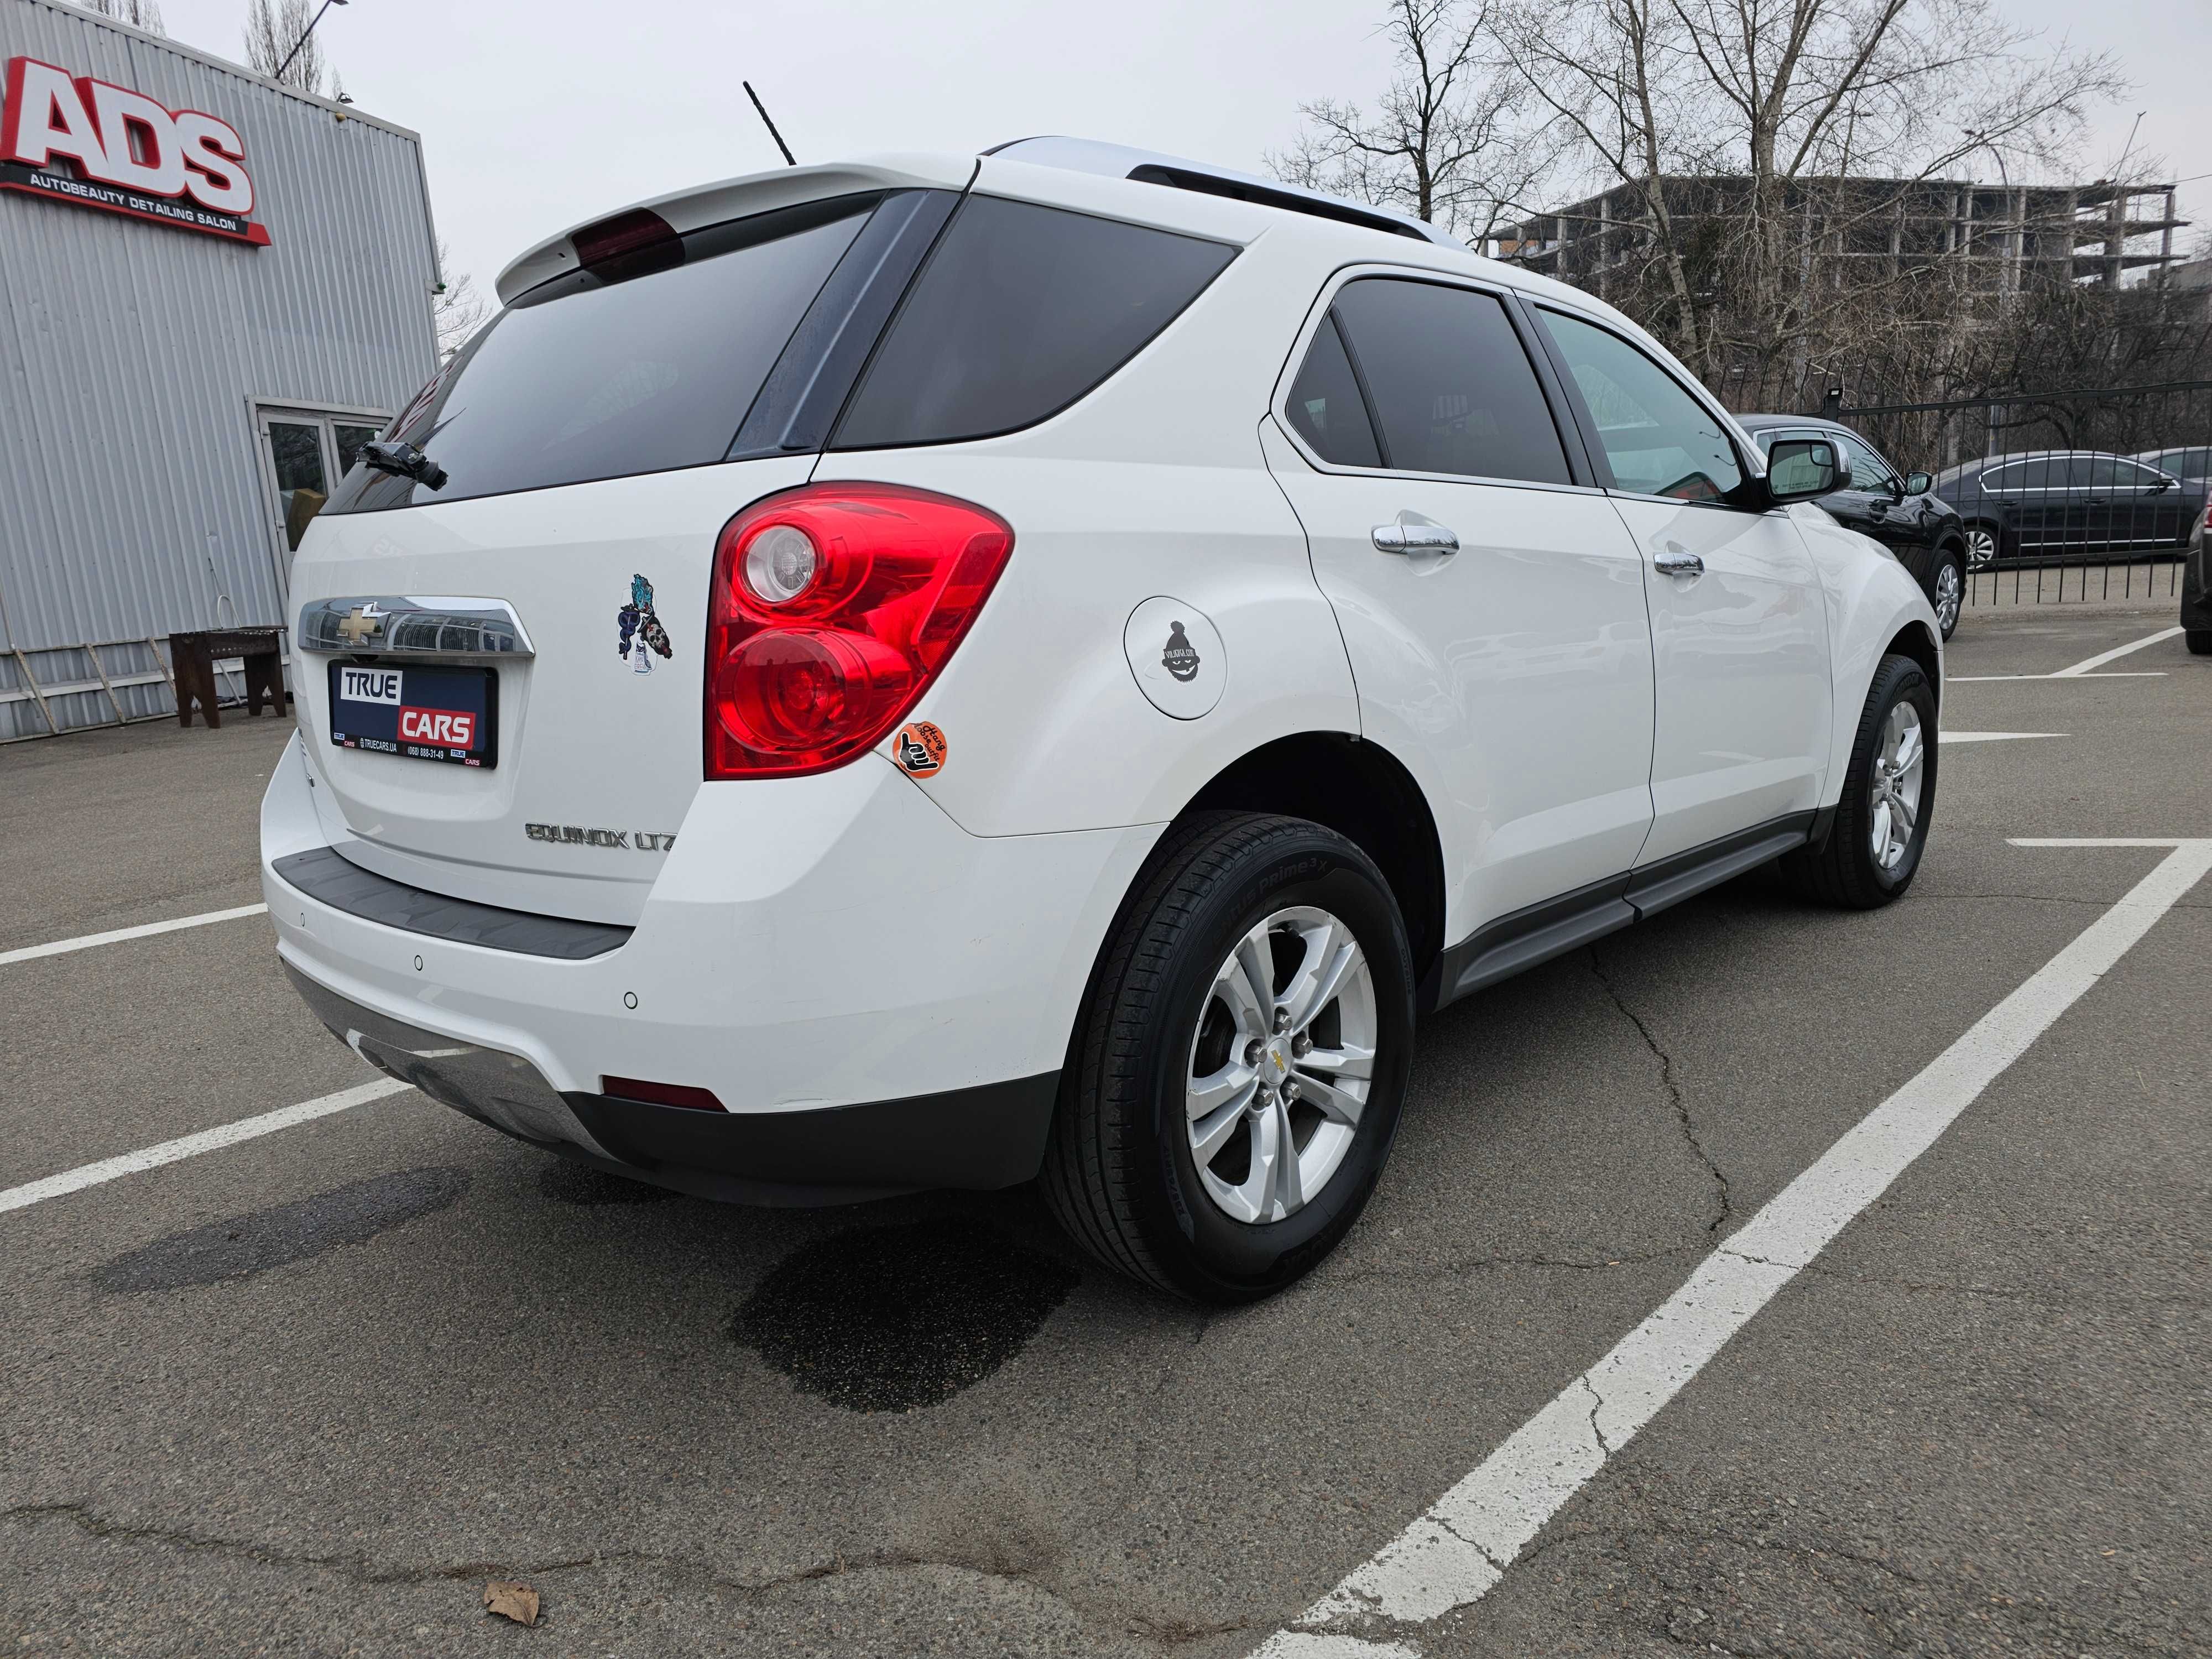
pixel 1919 483
pixel 1799 469
pixel 2162 486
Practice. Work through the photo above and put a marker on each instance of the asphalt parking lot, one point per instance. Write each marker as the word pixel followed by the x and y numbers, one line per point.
pixel 306 1393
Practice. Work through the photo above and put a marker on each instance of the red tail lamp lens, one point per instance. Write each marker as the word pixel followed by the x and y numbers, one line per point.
pixel 816 648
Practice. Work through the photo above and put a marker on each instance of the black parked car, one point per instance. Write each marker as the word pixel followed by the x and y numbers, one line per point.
pixel 1896 508
pixel 2062 503
pixel 2197 588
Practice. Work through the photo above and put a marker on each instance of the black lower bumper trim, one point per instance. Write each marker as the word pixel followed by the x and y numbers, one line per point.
pixel 989 1136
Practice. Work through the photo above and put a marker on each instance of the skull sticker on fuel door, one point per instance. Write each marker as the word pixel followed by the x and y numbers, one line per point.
pixel 1181 658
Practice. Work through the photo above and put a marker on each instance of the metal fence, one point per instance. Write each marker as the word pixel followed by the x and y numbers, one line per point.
pixel 2078 494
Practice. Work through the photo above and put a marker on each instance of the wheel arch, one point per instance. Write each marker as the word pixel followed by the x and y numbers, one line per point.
pixel 1915 641
pixel 1361 790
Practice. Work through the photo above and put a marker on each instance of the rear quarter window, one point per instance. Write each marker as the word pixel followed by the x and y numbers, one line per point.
pixel 1021 311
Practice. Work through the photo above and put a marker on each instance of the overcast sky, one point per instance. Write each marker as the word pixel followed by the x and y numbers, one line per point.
pixel 536 115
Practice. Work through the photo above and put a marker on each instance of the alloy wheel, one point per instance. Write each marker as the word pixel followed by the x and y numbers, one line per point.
pixel 1949 592
pixel 1898 765
pixel 1281 1065
pixel 1981 547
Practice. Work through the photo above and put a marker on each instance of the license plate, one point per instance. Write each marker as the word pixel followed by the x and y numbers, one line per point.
pixel 449 714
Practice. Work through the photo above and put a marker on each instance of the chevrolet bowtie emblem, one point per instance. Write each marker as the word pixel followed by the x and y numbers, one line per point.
pixel 1278 1058
pixel 360 622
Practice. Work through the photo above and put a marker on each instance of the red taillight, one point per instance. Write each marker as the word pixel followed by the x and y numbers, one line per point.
pixel 833 606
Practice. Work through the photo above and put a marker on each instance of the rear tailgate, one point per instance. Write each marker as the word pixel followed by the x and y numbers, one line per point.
pixel 595 755
pixel 572 469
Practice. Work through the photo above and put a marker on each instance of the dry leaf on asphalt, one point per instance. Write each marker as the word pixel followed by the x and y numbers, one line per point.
pixel 509 1600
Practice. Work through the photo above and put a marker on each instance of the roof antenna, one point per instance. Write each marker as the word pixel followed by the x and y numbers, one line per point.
pixel 789 159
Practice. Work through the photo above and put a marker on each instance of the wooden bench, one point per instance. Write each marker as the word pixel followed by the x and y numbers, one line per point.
pixel 193 657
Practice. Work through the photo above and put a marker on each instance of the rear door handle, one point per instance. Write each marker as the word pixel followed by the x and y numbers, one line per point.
pixel 1676 562
pixel 1415 538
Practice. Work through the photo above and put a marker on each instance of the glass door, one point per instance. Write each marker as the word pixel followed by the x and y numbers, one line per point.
pixel 303 453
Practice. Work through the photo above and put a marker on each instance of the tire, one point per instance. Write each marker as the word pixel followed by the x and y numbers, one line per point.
pixel 1984 544
pixel 2199 640
pixel 1120 1171
pixel 1947 588
pixel 1844 870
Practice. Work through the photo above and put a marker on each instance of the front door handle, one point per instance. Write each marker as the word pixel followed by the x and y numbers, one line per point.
pixel 1415 538
pixel 1676 562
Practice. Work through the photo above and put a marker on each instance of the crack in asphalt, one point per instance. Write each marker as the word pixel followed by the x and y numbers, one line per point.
pixel 1664 1533
pixel 1673 1087
pixel 1598 1404
pixel 1165 1630
pixel 2055 898
pixel 1481 1263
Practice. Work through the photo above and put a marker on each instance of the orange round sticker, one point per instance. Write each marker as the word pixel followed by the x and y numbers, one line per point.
pixel 919 748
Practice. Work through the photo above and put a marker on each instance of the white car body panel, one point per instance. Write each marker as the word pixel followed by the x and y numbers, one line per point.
pixel 1741 654
pixel 1513 677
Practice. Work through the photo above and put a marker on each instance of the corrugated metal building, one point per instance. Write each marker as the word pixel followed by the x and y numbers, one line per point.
pixel 212 289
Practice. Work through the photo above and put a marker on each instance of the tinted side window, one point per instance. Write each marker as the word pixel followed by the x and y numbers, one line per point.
pixel 2006 477
pixel 602 374
pixel 1658 438
pixel 1869 470
pixel 2126 474
pixel 1021 311
pixel 1326 406
pixel 1452 388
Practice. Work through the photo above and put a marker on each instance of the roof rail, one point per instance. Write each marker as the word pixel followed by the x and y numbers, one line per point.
pixel 1145 166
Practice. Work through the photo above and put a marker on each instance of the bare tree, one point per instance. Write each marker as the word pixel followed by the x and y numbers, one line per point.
pixel 457 309
pixel 1452 142
pixel 1773 106
pixel 139 14
pixel 273 27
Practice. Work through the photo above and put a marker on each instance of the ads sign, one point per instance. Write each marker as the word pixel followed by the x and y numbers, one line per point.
pixel 75 139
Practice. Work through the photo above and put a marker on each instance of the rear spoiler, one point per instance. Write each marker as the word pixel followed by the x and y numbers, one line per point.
pixel 734 199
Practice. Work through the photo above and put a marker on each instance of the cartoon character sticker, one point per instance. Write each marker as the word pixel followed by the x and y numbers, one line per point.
pixel 919 748
pixel 1181 657
pixel 642 632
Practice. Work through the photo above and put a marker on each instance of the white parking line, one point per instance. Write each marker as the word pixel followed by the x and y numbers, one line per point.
pixel 1455 1552
pixel 85 942
pixel 1985 679
pixel 2081 668
pixel 1991 736
pixel 207 1140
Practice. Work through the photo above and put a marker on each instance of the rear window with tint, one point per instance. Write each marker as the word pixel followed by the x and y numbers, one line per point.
pixel 1452 390
pixel 646 365
pixel 1326 406
pixel 1021 311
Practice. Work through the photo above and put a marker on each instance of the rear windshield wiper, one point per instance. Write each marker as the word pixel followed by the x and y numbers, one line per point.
pixel 404 460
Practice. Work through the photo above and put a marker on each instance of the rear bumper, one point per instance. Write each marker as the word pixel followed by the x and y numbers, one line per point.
pixel 989 1136
pixel 880 1000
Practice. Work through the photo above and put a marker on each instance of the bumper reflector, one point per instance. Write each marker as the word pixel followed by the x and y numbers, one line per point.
pixel 662 1094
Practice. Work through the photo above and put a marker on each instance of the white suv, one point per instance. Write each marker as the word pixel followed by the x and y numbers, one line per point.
pixel 936 672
